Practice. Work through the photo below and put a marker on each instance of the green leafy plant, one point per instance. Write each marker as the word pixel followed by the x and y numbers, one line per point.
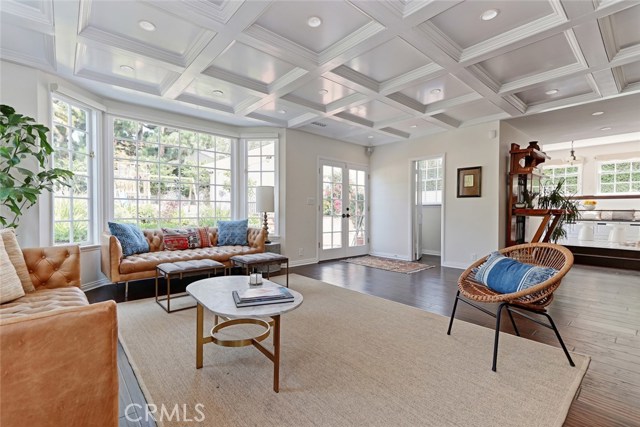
pixel 555 198
pixel 529 197
pixel 22 141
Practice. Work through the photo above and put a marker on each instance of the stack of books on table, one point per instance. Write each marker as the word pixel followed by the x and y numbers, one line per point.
pixel 261 296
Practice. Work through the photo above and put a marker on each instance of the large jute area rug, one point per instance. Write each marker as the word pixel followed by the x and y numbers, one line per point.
pixel 350 359
pixel 397 265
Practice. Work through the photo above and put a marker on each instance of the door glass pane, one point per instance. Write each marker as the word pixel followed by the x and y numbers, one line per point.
pixel 331 207
pixel 357 208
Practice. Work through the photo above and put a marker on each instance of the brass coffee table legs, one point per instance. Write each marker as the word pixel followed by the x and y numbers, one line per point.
pixel 274 355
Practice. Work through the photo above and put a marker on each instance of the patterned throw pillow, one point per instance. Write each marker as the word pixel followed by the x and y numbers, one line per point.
pixel 130 237
pixel 231 233
pixel 176 239
pixel 506 275
pixel 10 286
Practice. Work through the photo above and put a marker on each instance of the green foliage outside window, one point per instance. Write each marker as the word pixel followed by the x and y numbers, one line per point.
pixel 167 177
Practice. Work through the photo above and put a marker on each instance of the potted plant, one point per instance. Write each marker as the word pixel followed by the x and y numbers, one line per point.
pixel 557 199
pixel 23 144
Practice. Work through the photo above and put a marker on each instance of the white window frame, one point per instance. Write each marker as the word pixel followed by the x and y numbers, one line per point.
pixel 565 176
pixel 632 161
pixel 92 168
pixel 439 178
pixel 112 157
pixel 275 232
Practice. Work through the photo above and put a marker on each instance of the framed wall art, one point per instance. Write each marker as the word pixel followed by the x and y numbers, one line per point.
pixel 470 182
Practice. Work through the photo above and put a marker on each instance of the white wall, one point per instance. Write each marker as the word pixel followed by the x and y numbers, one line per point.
pixel 431 229
pixel 471 225
pixel 300 181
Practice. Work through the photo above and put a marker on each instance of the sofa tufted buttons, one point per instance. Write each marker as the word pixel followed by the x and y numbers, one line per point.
pixel 67 256
pixel 30 271
pixel 43 256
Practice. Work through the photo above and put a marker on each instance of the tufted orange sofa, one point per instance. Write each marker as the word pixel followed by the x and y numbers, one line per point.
pixel 119 268
pixel 57 352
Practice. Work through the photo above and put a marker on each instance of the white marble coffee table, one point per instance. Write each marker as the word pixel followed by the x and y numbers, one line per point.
pixel 215 295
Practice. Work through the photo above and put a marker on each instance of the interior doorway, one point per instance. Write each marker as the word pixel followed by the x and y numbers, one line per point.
pixel 427 189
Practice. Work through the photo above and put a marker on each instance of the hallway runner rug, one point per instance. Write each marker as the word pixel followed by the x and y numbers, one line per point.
pixel 349 359
pixel 389 264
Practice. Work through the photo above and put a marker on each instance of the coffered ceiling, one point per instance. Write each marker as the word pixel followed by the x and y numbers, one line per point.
pixel 371 72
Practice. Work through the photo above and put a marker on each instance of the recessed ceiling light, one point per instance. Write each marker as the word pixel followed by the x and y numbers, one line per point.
pixel 605 128
pixel 282 111
pixel 126 68
pixel 323 91
pixel 552 92
pixel 597 113
pixel 370 137
pixel 217 92
pixel 147 25
pixel 436 91
pixel 413 126
pixel 488 15
pixel 314 21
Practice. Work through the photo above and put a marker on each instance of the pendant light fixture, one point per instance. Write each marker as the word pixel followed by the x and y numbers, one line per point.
pixel 572 157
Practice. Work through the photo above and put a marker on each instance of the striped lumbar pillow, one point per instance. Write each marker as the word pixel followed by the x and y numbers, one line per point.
pixel 506 275
pixel 10 286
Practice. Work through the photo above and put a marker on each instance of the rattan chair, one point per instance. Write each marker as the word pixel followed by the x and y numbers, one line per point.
pixel 534 299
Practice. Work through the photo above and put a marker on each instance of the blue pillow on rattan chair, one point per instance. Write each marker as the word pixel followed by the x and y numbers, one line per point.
pixel 506 275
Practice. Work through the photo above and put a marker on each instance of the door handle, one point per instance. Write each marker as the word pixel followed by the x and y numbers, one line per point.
pixel 346 216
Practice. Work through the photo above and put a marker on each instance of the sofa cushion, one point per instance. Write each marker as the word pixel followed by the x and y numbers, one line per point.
pixel 17 259
pixel 10 286
pixel 130 237
pixel 232 232
pixel 43 300
pixel 148 261
pixel 185 238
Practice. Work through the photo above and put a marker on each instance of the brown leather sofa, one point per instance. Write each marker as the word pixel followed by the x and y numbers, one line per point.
pixel 57 352
pixel 119 268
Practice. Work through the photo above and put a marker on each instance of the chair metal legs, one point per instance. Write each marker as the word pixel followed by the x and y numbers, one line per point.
pixel 498 316
pixel 453 312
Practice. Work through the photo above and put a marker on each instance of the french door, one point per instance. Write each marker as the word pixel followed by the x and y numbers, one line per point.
pixel 344 210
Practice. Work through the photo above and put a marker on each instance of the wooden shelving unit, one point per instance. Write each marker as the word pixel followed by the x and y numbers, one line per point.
pixel 524 174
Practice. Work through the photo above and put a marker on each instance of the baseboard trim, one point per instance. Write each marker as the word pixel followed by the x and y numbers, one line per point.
pixel 392 256
pixel 300 262
pixel 458 265
pixel 95 284
pixel 430 252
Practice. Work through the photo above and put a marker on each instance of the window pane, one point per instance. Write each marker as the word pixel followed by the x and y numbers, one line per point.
pixel 60 112
pixel 61 232
pixel 125 129
pixel 78 118
pixel 72 142
pixel 80 231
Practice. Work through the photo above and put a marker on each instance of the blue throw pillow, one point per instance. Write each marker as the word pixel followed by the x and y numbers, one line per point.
pixel 231 233
pixel 506 275
pixel 130 237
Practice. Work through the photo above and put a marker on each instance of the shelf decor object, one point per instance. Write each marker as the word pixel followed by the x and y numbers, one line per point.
pixel 470 182
pixel 523 186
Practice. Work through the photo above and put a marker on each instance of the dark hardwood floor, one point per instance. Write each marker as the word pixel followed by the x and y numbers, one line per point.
pixel 597 310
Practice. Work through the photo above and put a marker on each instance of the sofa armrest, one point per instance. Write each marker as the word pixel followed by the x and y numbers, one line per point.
pixel 61 366
pixel 110 256
pixel 255 238
pixel 53 267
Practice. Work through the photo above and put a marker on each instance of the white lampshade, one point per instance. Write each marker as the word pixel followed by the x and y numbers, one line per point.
pixel 264 199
